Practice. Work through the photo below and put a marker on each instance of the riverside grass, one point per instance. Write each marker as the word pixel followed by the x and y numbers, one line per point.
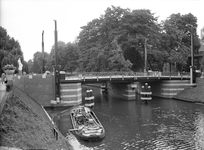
pixel 24 125
pixel 193 94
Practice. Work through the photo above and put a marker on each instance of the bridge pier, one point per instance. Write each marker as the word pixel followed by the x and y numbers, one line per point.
pixel 71 93
pixel 171 88
pixel 165 88
pixel 41 89
pixel 159 88
pixel 122 90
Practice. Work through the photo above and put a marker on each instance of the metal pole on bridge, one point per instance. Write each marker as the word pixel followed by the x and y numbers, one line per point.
pixel 57 83
pixel 192 56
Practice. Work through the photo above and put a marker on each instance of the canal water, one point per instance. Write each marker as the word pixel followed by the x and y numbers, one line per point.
pixel 162 124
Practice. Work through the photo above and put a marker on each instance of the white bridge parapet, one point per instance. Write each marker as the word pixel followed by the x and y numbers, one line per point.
pixel 124 75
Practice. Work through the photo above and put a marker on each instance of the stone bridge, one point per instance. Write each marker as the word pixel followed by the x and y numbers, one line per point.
pixel 123 84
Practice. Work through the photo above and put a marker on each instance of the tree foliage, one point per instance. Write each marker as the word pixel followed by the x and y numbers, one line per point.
pixel 116 40
pixel 36 65
pixel 10 50
pixel 124 29
pixel 95 40
pixel 176 40
pixel 68 55
pixel 30 66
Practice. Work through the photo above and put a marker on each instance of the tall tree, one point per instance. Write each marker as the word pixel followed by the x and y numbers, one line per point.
pixel 176 40
pixel 130 28
pixel 68 55
pixel 95 40
pixel 117 60
pixel 38 62
pixel 10 49
pixel 30 66
pixel 137 26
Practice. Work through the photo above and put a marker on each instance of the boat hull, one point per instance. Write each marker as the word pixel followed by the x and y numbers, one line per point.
pixel 93 138
pixel 89 129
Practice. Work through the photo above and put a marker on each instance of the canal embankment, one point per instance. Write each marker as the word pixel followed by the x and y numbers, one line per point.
pixel 25 125
pixel 193 94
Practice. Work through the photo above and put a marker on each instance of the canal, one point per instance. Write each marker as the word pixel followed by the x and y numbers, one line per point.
pixel 160 124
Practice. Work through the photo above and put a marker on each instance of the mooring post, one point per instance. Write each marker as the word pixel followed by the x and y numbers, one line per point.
pixel 89 99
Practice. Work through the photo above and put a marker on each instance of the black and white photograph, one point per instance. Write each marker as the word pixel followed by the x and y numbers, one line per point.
pixel 101 74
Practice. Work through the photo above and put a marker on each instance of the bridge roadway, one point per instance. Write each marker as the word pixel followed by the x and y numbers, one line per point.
pixel 97 78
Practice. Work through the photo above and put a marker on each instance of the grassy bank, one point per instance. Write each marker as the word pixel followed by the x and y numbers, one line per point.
pixel 194 94
pixel 23 124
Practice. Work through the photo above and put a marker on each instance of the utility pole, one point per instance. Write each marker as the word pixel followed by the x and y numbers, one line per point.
pixel 43 56
pixel 145 45
pixel 57 83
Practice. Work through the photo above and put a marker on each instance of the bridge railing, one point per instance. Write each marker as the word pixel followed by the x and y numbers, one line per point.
pixel 176 74
pixel 112 74
pixel 79 75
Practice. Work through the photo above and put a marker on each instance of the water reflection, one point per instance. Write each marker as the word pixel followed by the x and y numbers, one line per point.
pixel 160 124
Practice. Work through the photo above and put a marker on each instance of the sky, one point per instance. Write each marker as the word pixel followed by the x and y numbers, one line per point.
pixel 25 20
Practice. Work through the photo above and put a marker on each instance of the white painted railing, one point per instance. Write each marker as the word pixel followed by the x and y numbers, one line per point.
pixel 122 75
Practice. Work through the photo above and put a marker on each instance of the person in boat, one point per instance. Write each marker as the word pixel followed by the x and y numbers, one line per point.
pixel 80 119
pixel 82 116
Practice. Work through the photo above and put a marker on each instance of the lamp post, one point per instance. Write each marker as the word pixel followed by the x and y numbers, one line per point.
pixel 192 56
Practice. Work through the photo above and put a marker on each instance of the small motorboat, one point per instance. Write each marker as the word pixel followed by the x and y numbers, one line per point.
pixel 86 125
